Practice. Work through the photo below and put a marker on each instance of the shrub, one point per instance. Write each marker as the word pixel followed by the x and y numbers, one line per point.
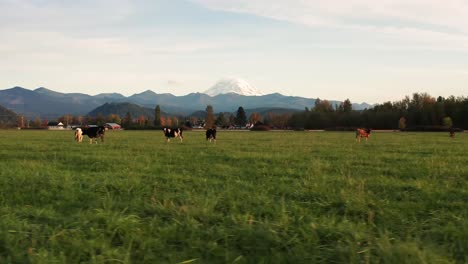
pixel 431 129
pixel 260 128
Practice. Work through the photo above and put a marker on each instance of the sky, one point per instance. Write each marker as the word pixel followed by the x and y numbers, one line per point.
pixel 362 50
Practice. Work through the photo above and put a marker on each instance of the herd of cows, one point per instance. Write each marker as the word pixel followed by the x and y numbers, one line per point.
pixel 96 132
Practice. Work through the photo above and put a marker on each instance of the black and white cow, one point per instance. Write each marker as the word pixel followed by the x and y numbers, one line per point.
pixel 172 133
pixel 211 134
pixel 94 133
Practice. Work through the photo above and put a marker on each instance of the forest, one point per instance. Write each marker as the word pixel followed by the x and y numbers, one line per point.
pixel 420 112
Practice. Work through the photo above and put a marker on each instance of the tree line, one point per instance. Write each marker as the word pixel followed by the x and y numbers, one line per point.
pixel 418 112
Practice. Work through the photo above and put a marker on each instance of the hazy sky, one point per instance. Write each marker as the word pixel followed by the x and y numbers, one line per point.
pixel 364 50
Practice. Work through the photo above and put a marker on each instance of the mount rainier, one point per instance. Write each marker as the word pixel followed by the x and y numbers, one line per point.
pixel 233 85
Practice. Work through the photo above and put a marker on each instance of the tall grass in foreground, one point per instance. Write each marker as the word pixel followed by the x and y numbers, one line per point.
pixel 253 197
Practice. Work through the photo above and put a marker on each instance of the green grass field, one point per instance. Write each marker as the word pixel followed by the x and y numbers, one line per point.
pixel 253 197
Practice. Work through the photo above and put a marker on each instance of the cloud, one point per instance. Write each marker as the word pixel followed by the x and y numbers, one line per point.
pixel 451 13
pixel 57 15
pixel 174 83
pixel 428 22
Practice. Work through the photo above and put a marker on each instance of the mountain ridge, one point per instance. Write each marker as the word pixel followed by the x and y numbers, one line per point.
pixel 50 104
pixel 8 118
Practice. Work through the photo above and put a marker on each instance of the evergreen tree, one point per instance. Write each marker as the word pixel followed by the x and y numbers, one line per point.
pixel 221 120
pixel 241 118
pixel 232 120
pixel 347 106
pixel 209 119
pixel 127 122
pixel 157 116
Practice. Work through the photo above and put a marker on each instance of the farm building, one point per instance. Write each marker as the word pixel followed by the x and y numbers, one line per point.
pixel 55 125
pixel 112 126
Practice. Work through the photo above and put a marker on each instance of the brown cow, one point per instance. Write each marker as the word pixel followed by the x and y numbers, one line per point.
pixel 362 132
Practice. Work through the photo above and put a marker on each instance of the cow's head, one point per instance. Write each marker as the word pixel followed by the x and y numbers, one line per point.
pixel 78 135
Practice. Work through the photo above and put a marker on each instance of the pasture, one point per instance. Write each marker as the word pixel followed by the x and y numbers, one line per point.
pixel 253 197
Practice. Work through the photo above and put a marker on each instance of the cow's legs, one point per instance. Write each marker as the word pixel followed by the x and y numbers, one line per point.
pixel 178 135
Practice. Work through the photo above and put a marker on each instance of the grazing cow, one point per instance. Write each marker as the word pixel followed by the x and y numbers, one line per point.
pixel 211 134
pixel 452 133
pixel 172 133
pixel 362 132
pixel 94 133
pixel 78 135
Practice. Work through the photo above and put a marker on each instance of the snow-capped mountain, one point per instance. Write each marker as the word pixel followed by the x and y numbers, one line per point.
pixel 233 85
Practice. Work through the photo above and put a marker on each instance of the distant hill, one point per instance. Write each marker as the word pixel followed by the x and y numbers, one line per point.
pixel 50 104
pixel 135 110
pixel 262 111
pixel 8 118
pixel 122 109
pixel 46 103
pixel 276 111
